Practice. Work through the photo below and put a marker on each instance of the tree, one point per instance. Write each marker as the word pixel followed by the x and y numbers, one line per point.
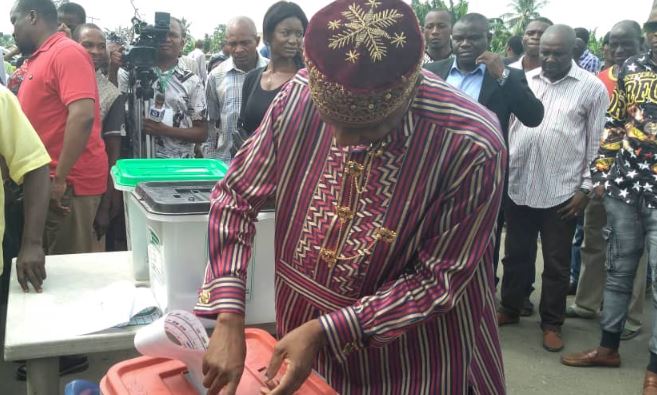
pixel 6 40
pixel 501 35
pixel 523 12
pixel 217 38
pixel 422 8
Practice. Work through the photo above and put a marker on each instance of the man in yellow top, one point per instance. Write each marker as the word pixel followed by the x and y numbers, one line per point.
pixel 24 159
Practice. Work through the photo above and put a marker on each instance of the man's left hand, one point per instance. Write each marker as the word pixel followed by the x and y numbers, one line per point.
pixel 575 206
pixel 31 267
pixel 494 63
pixel 154 128
pixel 298 349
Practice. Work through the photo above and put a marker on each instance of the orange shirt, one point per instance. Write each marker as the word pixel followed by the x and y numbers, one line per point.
pixel 609 79
pixel 59 73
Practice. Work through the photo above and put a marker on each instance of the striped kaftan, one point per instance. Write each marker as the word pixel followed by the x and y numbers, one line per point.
pixel 408 314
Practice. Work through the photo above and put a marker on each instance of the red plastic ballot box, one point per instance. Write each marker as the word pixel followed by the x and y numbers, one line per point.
pixel 160 376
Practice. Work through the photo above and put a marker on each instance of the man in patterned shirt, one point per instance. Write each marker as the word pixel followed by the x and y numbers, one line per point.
pixel 184 122
pixel 387 184
pixel 587 60
pixel 437 35
pixel 224 86
pixel 625 176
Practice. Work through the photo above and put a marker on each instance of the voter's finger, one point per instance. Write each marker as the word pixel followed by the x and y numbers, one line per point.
pixel 291 380
pixel 275 362
pixel 22 279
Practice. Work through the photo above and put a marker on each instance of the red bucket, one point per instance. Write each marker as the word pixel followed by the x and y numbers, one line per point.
pixel 160 376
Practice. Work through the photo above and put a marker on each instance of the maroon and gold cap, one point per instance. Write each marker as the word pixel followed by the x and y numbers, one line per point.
pixel 363 58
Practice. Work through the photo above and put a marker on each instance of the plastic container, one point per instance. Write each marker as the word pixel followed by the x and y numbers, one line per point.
pixel 81 387
pixel 177 235
pixel 146 375
pixel 127 173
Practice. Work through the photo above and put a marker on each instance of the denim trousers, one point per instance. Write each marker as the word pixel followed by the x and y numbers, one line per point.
pixel 630 228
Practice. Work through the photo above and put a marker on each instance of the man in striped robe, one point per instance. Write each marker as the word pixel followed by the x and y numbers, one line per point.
pixel 387 184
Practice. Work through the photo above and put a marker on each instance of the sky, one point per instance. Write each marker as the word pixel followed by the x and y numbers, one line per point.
pixel 205 15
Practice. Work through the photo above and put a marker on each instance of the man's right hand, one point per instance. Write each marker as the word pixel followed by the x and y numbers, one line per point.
pixel 116 54
pixel 223 363
pixel 31 267
pixel 57 192
pixel 599 192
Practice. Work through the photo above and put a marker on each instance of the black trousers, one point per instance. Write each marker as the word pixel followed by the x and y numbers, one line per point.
pixel 523 225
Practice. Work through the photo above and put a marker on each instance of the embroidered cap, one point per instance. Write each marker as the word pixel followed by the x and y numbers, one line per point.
pixel 363 58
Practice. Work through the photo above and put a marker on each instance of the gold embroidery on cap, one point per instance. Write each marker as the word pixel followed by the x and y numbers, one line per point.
pixel 352 56
pixel 334 24
pixel 399 40
pixel 366 28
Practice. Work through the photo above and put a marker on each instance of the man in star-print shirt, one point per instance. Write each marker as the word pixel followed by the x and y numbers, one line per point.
pixel 625 176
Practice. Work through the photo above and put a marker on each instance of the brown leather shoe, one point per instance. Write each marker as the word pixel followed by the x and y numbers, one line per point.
pixel 506 319
pixel 650 383
pixel 595 357
pixel 552 340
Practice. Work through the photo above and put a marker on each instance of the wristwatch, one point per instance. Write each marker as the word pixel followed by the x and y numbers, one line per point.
pixel 587 192
pixel 503 78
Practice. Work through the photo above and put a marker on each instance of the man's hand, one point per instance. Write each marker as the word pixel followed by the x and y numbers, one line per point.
pixel 575 206
pixel 154 128
pixel 116 54
pixel 599 192
pixel 102 220
pixel 299 350
pixel 31 267
pixel 223 363
pixel 57 192
pixel 494 63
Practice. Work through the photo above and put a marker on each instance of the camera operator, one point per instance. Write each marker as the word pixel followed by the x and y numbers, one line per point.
pixel 112 115
pixel 184 121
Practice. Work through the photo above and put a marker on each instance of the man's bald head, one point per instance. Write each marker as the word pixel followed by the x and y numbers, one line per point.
pixel 625 41
pixel 560 34
pixel 242 42
pixel 627 26
pixel 242 22
pixel 556 51
pixel 442 14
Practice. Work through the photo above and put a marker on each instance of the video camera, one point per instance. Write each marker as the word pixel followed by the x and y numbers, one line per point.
pixel 143 50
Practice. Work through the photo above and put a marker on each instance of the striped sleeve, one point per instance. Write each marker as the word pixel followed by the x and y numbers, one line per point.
pixel 236 200
pixel 458 231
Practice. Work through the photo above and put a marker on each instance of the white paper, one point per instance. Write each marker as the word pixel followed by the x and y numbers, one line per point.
pixel 108 307
pixel 177 335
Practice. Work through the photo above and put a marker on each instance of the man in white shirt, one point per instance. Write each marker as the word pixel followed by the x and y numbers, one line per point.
pixel 224 86
pixel 198 56
pixel 550 180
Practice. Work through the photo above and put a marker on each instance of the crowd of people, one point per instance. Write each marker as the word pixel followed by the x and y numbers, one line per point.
pixel 396 152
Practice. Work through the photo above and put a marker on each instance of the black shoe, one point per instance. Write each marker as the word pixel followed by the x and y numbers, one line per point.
pixel 572 289
pixel 527 308
pixel 67 365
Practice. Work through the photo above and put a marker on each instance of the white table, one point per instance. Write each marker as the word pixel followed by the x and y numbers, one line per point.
pixel 30 335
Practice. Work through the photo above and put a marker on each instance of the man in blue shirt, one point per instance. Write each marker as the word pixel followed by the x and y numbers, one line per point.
pixel 483 76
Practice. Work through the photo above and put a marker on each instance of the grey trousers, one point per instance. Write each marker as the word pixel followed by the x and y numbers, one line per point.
pixel 593 274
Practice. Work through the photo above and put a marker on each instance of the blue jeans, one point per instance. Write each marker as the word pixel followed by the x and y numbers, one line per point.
pixel 575 255
pixel 630 229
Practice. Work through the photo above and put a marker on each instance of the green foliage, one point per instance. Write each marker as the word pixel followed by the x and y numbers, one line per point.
pixel 6 40
pixel 213 42
pixel 456 8
pixel 595 44
pixel 501 35
pixel 523 12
